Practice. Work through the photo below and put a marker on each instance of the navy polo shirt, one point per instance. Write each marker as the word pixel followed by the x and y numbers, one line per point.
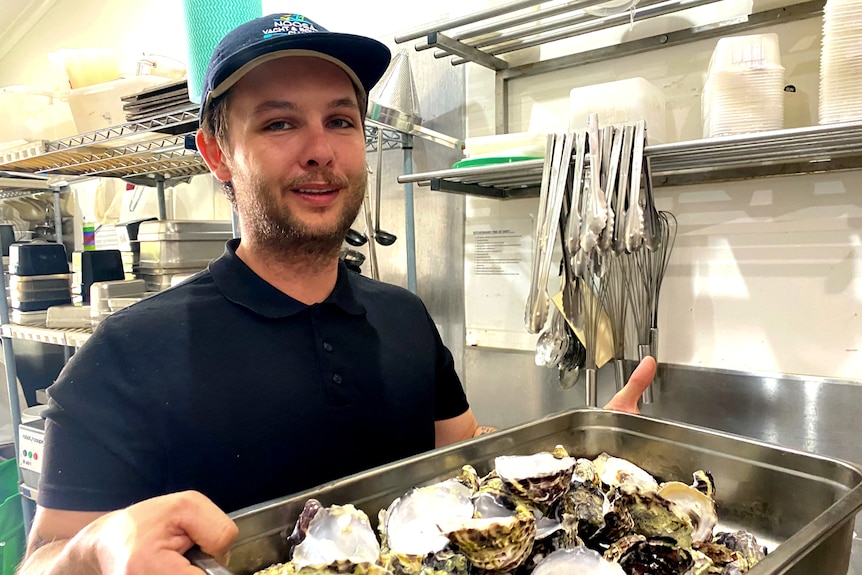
pixel 226 385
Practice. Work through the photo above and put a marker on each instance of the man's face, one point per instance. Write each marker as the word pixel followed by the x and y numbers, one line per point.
pixel 296 153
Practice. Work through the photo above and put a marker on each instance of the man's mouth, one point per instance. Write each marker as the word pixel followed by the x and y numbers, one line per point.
pixel 315 191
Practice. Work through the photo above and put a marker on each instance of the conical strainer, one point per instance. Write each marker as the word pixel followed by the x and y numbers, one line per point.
pixel 393 101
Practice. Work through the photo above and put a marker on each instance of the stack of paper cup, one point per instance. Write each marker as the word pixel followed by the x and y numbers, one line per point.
pixel 840 62
pixel 744 89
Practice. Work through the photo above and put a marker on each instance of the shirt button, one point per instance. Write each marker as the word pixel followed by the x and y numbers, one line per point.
pixel 327 346
pixel 336 378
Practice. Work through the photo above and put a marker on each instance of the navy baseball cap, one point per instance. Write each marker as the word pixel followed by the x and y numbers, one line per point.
pixel 278 35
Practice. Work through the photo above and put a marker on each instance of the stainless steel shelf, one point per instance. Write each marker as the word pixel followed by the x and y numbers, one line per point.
pixel 153 149
pixel 781 152
pixel 68 337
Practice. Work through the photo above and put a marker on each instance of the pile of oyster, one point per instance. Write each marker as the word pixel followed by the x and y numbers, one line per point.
pixel 545 514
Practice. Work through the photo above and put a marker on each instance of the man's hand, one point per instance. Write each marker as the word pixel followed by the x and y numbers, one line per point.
pixel 627 398
pixel 149 538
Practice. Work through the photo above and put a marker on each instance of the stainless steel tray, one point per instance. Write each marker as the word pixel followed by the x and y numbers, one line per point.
pixel 179 254
pixel 185 230
pixel 798 504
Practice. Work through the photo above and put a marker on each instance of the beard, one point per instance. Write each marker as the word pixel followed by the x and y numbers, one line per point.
pixel 279 232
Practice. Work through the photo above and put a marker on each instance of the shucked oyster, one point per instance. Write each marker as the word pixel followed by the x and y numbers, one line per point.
pixel 409 527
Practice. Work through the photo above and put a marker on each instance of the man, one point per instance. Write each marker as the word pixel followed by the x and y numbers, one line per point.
pixel 274 370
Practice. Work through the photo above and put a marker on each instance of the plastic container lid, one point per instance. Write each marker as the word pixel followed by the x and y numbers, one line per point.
pixel 473 162
pixel 745 52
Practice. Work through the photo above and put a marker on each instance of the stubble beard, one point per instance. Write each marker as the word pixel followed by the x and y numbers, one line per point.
pixel 276 230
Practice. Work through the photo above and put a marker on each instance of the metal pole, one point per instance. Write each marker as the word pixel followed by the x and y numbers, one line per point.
pixel 58 218
pixel 234 224
pixel 12 389
pixel 469 19
pixel 160 194
pixel 409 222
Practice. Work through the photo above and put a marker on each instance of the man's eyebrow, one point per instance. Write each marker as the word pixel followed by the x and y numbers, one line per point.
pixel 344 103
pixel 269 105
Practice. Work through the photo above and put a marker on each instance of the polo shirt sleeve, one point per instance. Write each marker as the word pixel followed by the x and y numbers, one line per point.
pixel 101 438
pixel 449 397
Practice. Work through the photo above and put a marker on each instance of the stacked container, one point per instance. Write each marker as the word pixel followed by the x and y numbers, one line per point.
pixel 170 248
pixel 840 62
pixel 744 89
pixel 38 279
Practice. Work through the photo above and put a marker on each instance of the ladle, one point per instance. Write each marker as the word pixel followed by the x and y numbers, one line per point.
pixel 355 238
pixel 383 238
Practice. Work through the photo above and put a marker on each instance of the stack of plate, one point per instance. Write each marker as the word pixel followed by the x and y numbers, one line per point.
pixel 744 89
pixel 840 62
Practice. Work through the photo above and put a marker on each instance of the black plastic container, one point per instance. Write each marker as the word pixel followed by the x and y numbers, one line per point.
pixel 98 266
pixel 38 258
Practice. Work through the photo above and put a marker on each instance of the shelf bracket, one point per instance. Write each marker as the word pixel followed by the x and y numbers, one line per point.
pixel 441 185
pixel 453 46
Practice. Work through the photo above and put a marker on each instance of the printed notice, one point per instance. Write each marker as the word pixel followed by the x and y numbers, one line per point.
pixel 497 252
pixel 498 256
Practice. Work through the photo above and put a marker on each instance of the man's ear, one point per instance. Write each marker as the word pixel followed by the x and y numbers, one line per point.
pixel 213 155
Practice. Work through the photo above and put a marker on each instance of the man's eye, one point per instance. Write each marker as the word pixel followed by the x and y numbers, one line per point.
pixel 341 123
pixel 278 126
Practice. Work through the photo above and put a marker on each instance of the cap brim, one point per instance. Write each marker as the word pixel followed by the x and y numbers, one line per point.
pixel 363 59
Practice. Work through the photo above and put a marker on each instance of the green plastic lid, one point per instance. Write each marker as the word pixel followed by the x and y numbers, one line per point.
pixel 473 162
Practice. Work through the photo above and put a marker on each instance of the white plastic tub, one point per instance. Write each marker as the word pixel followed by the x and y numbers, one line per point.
pixel 30 114
pixel 100 106
pixel 620 102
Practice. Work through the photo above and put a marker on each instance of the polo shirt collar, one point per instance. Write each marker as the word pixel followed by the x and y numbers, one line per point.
pixel 240 285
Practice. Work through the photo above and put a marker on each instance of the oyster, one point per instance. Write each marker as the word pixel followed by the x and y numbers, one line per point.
pixel 655 516
pixel 542 477
pixel 585 472
pixel 408 528
pixel 500 535
pixel 614 472
pixel 588 505
pixel 300 529
pixel 700 508
pixel 579 560
pixel 747 552
pixel 656 556
pixel 339 539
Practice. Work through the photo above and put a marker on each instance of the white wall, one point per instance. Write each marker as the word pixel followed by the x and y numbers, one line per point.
pixel 766 274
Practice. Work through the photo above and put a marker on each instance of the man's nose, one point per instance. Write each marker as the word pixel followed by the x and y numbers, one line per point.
pixel 317 150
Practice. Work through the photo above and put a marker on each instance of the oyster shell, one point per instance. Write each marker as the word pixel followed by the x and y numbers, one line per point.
pixel 339 538
pixel 655 516
pixel 747 552
pixel 542 477
pixel 700 508
pixel 588 505
pixel 500 535
pixel 579 560
pixel 656 556
pixel 409 527
pixel 614 472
